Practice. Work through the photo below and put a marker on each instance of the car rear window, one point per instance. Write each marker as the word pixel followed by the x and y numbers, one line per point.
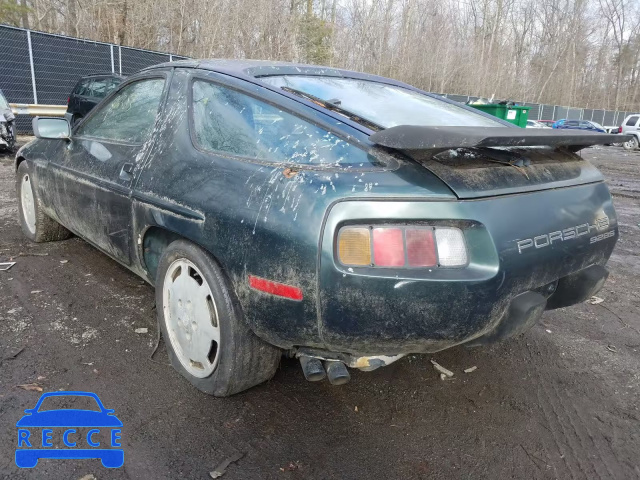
pixel 83 87
pixel 632 121
pixel 102 86
pixel 227 121
pixel 383 104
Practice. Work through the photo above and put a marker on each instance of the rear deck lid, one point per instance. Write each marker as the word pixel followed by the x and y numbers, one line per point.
pixel 478 162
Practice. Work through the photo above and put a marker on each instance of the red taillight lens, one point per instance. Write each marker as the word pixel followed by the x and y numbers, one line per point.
pixel 388 247
pixel 400 246
pixel 620 129
pixel 68 100
pixel 421 250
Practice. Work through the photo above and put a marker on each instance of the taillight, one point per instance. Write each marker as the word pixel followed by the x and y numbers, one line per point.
pixel 620 129
pixel 452 251
pixel 402 247
pixel 68 100
pixel 388 247
pixel 354 246
pixel 421 250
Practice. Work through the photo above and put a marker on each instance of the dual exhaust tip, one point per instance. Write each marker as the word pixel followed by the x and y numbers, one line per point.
pixel 315 370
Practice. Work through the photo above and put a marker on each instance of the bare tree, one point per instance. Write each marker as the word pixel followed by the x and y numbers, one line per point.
pixel 578 52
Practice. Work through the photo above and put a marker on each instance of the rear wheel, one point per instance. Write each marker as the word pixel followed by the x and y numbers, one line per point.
pixel 207 339
pixel 631 144
pixel 75 120
pixel 36 226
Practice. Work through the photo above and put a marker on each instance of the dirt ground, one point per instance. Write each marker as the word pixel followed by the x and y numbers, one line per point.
pixel 560 402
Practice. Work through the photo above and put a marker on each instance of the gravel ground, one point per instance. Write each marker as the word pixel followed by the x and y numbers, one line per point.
pixel 559 402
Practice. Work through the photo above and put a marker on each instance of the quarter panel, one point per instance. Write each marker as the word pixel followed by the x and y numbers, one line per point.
pixel 255 218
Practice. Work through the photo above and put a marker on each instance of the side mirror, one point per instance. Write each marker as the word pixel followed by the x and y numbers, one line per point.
pixel 48 127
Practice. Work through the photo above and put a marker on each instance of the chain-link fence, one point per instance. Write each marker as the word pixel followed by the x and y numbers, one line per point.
pixel 606 118
pixel 42 68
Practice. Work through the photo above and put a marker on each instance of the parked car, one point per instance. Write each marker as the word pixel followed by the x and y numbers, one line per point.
pixel 548 123
pixel 536 124
pixel 88 92
pixel 580 125
pixel 631 126
pixel 7 125
pixel 345 219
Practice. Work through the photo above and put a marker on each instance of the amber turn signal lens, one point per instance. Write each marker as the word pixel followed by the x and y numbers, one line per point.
pixel 354 246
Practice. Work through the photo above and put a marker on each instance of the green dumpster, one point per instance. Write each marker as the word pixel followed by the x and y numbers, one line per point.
pixel 516 114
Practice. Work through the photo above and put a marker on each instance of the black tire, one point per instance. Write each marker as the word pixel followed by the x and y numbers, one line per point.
pixel 244 359
pixel 45 228
pixel 631 144
pixel 75 120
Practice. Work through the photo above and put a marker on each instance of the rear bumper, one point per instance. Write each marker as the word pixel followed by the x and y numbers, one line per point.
pixel 526 309
pixel 503 291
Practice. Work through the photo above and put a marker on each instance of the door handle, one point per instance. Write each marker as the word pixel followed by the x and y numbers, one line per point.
pixel 127 172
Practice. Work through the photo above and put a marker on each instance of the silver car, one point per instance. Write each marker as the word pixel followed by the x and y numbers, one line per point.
pixel 631 126
pixel 536 124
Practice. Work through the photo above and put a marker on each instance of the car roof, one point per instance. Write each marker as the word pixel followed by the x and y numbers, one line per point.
pixel 264 68
pixel 103 75
pixel 253 70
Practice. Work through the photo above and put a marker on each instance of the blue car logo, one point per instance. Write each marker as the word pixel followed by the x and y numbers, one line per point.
pixel 38 430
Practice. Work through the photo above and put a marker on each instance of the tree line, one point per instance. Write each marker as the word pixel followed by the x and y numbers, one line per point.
pixel 582 53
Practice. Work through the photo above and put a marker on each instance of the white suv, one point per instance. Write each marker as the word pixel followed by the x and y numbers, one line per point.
pixel 631 126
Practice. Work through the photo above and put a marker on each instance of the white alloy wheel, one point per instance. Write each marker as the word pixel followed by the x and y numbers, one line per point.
pixel 631 144
pixel 191 318
pixel 28 204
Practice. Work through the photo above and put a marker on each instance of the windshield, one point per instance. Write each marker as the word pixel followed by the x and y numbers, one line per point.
pixel 385 105
pixel 3 102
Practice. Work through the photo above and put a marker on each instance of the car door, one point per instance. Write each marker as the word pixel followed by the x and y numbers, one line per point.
pixel 94 173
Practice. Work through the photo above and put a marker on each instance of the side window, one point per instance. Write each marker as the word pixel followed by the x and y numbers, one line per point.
pixel 111 84
pixel 83 87
pixel 99 87
pixel 129 116
pixel 632 121
pixel 227 121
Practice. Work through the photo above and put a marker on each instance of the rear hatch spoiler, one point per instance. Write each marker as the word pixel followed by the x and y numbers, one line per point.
pixel 414 137
pixel 463 157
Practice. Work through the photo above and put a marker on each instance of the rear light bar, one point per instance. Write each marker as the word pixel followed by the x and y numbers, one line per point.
pixel 401 247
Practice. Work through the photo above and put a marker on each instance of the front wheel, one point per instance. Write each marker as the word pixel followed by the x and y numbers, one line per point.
pixel 631 144
pixel 207 339
pixel 36 225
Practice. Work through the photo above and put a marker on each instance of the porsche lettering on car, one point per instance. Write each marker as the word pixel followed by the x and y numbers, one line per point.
pixel 547 239
pixel 338 217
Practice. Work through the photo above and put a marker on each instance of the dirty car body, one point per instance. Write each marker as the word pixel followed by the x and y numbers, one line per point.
pixel 475 227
